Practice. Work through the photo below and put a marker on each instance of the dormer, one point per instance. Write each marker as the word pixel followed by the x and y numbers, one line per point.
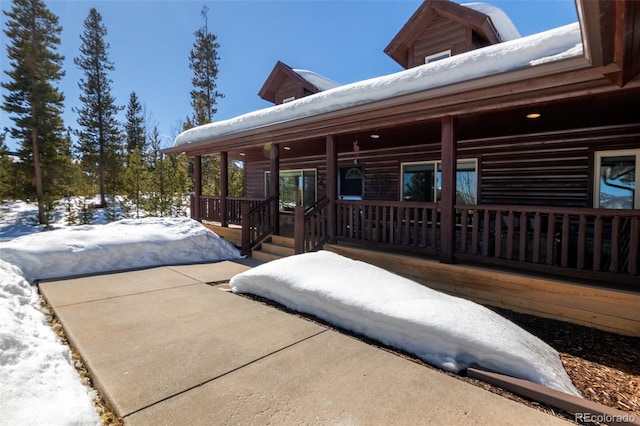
pixel 441 28
pixel 286 84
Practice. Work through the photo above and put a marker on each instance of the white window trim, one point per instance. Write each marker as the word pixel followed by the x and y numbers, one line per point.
pixel 289 99
pixel 437 165
pixel 596 176
pixel 429 58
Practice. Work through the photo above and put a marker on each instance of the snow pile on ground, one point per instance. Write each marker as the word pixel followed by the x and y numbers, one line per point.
pixel 121 245
pixel 445 331
pixel 38 384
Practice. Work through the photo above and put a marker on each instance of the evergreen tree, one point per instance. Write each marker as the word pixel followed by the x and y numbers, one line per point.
pixel 135 126
pixel 33 101
pixel 203 61
pixel 136 178
pixel 6 171
pixel 100 138
pixel 169 180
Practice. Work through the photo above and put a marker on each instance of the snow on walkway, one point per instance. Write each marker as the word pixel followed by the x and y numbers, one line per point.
pixel 445 331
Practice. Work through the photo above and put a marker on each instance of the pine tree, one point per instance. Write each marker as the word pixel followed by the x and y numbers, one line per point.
pixel 203 61
pixel 33 101
pixel 6 171
pixel 136 178
pixel 100 139
pixel 135 126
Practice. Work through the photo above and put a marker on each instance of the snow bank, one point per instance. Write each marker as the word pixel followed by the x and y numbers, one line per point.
pixel 116 246
pixel 445 331
pixel 38 384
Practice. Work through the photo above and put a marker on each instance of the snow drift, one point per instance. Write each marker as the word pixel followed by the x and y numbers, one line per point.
pixel 127 244
pixel 445 331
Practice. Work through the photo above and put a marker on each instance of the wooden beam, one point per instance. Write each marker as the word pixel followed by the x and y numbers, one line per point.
pixel 224 188
pixel 448 192
pixel 274 188
pixel 332 185
pixel 197 185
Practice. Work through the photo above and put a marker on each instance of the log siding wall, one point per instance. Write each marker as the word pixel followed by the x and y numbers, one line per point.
pixel 442 35
pixel 550 169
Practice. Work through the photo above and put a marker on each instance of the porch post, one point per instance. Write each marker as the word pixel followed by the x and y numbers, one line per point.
pixel 332 187
pixel 224 188
pixel 274 168
pixel 448 193
pixel 197 186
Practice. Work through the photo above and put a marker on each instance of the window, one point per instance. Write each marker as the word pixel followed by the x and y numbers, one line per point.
pixel 297 188
pixel 351 183
pixel 423 181
pixel 616 180
pixel 289 99
pixel 437 56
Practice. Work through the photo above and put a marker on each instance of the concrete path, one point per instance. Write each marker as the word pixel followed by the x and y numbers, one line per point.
pixel 164 348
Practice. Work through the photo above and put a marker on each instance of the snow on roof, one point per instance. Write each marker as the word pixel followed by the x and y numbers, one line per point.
pixel 560 43
pixel 322 83
pixel 502 23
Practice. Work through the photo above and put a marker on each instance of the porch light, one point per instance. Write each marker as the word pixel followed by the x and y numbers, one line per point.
pixel 375 136
pixel 534 115
pixel 242 154
pixel 287 148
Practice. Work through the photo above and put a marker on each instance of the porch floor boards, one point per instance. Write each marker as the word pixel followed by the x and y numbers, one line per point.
pixel 578 302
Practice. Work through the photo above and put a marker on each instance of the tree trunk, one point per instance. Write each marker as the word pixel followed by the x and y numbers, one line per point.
pixel 36 170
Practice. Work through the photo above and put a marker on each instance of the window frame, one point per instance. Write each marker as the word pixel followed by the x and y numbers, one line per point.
pixel 437 56
pixel 292 171
pixel 437 165
pixel 597 170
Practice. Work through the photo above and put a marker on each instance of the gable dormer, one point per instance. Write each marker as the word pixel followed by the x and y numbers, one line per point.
pixel 286 84
pixel 441 28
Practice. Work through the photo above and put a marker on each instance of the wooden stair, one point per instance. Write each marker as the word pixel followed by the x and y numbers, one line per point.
pixel 274 247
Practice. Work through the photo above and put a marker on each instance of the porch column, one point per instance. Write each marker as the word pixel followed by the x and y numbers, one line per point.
pixel 197 186
pixel 448 192
pixel 274 189
pixel 332 187
pixel 224 188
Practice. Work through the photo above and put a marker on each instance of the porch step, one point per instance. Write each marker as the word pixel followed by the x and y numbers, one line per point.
pixel 233 235
pixel 275 247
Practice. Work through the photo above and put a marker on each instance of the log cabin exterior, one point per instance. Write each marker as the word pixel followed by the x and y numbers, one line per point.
pixel 512 187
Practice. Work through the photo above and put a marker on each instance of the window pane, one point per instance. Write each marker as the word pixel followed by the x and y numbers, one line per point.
pixel 466 182
pixel 309 188
pixel 617 182
pixel 290 190
pixel 418 182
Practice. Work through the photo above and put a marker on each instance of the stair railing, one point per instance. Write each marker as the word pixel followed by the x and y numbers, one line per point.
pixel 310 227
pixel 258 222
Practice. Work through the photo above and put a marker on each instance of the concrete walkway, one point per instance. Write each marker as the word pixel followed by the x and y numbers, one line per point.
pixel 164 348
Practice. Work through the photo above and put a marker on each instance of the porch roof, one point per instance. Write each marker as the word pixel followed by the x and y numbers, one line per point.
pixel 492 73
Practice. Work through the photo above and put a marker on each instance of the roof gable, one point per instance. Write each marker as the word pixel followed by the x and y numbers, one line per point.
pixel 283 74
pixel 489 25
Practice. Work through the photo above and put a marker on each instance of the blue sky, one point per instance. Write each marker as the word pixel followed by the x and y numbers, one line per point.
pixel 151 39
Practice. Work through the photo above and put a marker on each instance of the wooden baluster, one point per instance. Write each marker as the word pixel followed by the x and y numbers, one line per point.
pixel 582 241
pixel 524 231
pixel 615 241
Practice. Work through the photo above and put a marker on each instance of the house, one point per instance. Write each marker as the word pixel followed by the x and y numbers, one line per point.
pixel 497 168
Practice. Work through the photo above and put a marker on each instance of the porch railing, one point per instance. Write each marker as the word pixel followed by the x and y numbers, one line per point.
pixel 211 208
pixel 409 225
pixel 577 242
pixel 258 222
pixel 311 227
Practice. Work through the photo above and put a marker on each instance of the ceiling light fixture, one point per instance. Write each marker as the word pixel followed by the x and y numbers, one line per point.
pixel 287 148
pixel 534 115
pixel 242 154
pixel 375 136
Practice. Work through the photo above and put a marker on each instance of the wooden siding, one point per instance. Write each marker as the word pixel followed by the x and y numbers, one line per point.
pixel 442 35
pixel 550 169
pixel 288 88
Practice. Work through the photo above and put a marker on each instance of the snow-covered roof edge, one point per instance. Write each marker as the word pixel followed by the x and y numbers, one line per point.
pixel 322 83
pixel 501 21
pixel 560 43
